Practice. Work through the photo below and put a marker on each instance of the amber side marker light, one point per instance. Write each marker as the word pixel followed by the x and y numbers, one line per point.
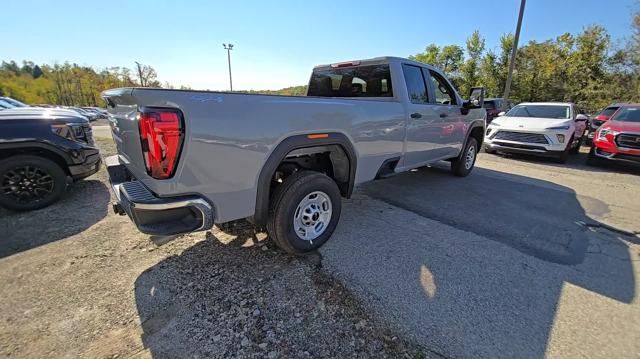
pixel 315 136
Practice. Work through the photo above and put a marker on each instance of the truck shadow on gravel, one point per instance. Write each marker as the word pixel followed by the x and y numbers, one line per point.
pixel 84 204
pixel 234 294
pixel 445 275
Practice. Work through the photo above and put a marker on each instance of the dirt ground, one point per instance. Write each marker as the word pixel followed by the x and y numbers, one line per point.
pixel 80 281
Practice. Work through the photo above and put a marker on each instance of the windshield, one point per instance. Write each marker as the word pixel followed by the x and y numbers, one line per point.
pixel 608 111
pixel 489 104
pixel 5 104
pixel 628 114
pixel 543 111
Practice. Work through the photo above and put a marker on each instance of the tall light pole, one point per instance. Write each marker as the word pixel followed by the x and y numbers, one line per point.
pixel 229 48
pixel 514 51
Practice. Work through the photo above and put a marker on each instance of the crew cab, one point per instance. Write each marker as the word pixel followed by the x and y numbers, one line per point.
pixel 41 152
pixel 619 138
pixel 188 159
pixel 553 129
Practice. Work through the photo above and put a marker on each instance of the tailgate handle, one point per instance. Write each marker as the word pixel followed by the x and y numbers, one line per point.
pixel 416 115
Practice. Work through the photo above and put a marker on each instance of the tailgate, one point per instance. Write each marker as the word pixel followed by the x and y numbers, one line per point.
pixel 149 139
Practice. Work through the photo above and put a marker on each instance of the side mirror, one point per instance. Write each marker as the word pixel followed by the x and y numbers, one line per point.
pixel 476 97
pixel 581 118
pixel 501 114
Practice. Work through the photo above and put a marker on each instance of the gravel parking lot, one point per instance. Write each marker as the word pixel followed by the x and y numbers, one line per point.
pixel 524 258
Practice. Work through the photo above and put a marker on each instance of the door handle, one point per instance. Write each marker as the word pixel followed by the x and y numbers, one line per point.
pixel 443 115
pixel 416 115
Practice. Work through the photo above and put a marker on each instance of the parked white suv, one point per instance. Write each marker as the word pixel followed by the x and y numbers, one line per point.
pixel 550 129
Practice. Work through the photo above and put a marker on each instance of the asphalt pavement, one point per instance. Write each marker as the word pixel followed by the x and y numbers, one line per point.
pixel 524 258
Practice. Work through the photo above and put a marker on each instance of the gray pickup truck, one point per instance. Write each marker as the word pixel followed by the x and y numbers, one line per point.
pixel 189 159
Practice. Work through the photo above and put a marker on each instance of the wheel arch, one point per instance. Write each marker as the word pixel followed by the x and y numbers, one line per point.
pixel 35 149
pixel 295 143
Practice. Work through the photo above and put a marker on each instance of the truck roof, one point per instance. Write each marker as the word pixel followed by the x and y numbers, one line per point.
pixel 376 61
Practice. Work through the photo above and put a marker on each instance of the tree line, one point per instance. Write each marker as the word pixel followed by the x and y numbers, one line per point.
pixel 585 68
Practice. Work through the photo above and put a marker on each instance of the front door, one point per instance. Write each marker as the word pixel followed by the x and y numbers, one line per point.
pixel 423 122
pixel 451 121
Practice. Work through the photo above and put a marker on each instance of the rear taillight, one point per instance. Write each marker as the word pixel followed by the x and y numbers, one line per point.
pixel 161 134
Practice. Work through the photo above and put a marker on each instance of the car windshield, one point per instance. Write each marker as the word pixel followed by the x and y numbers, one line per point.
pixel 628 114
pixel 489 104
pixel 608 111
pixel 543 111
pixel 5 104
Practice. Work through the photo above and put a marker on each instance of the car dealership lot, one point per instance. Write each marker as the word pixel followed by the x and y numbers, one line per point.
pixel 527 258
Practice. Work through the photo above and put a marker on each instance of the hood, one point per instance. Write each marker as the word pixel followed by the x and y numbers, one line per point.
pixel 531 123
pixel 39 113
pixel 623 126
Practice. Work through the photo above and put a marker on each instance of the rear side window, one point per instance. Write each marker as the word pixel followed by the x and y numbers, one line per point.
pixel 415 84
pixel 490 105
pixel 360 81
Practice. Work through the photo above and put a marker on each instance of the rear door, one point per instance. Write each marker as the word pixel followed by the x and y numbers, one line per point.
pixel 423 129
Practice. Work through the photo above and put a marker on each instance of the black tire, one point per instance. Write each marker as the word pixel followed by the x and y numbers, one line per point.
pixel 283 206
pixel 17 171
pixel 575 150
pixel 592 159
pixel 564 156
pixel 459 166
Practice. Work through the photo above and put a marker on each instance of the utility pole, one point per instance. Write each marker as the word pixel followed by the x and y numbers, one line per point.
pixel 514 51
pixel 229 48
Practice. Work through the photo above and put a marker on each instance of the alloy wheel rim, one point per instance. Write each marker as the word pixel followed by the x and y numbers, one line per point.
pixel 27 184
pixel 312 216
pixel 470 158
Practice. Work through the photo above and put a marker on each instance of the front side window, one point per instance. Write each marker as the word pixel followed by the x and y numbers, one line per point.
pixel 541 111
pixel 415 84
pixel 444 92
pixel 359 81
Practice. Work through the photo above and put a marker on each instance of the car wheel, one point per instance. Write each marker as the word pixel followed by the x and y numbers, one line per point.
pixel 30 182
pixel 576 149
pixel 463 165
pixel 592 159
pixel 304 212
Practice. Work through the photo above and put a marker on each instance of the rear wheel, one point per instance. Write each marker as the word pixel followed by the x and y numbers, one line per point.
pixel 564 155
pixel 463 165
pixel 30 182
pixel 304 212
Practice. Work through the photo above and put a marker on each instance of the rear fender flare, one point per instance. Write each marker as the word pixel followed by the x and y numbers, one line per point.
pixel 280 152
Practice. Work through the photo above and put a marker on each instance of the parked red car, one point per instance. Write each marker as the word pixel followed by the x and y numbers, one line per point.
pixel 602 117
pixel 619 138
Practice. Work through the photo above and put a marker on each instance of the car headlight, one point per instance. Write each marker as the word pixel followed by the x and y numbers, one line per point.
pixel 69 131
pixel 603 132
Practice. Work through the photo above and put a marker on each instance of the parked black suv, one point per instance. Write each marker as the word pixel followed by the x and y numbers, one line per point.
pixel 41 151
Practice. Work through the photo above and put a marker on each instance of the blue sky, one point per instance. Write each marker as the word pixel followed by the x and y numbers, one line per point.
pixel 276 42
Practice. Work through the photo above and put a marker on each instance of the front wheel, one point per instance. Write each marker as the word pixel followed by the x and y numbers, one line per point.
pixel 463 165
pixel 304 212
pixel 30 182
